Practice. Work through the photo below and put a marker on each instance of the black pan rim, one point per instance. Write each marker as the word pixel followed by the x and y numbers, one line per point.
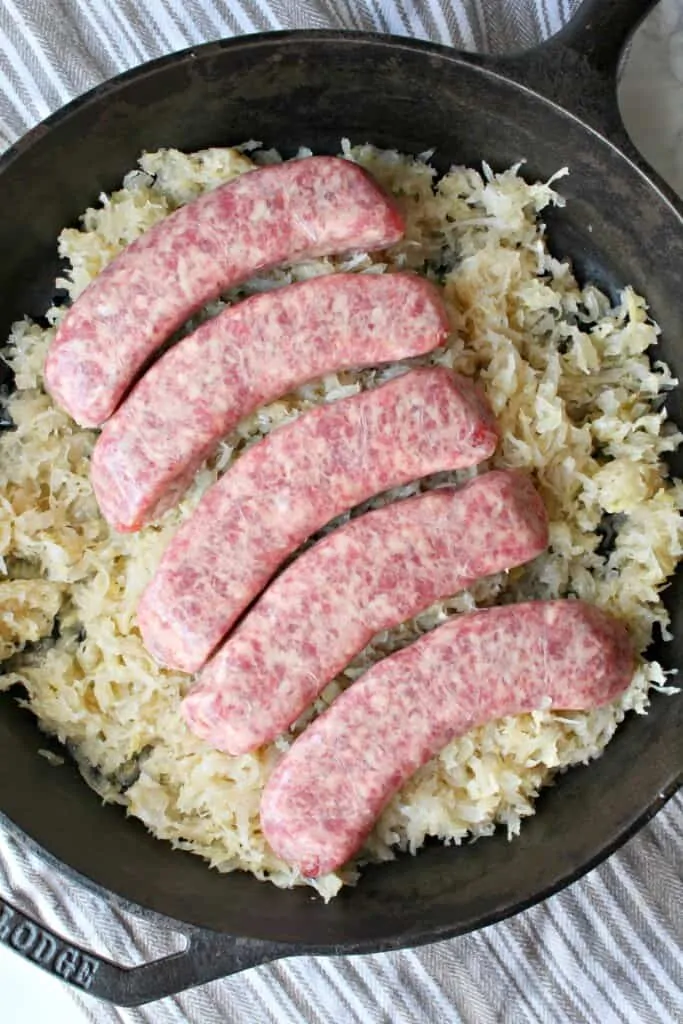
pixel 418 937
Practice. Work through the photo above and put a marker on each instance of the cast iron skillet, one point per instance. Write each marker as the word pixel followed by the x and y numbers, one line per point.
pixel 621 225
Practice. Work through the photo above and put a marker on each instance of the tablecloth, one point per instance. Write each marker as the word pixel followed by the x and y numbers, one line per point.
pixel 609 948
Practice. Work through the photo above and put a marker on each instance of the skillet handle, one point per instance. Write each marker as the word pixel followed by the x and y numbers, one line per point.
pixel 600 30
pixel 206 957
pixel 578 68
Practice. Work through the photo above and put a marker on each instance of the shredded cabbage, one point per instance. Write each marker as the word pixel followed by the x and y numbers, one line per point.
pixel 568 376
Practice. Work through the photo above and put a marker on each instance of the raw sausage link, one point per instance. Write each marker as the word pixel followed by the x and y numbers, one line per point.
pixel 289 485
pixel 250 354
pixel 292 211
pixel 326 793
pixel 371 574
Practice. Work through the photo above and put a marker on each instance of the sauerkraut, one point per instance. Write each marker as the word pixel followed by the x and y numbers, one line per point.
pixel 578 400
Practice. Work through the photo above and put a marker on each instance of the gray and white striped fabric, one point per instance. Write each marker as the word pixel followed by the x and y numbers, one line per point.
pixel 609 949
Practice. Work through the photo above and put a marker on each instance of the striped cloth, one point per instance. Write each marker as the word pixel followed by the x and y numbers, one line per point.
pixel 607 950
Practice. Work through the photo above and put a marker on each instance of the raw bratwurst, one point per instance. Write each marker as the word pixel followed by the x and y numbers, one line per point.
pixel 325 795
pixel 248 355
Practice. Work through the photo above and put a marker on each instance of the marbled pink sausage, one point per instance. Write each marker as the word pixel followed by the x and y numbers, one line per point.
pixel 292 211
pixel 248 355
pixel 370 575
pixel 289 485
pixel 326 793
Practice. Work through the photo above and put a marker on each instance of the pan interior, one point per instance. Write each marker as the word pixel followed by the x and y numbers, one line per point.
pixel 616 228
